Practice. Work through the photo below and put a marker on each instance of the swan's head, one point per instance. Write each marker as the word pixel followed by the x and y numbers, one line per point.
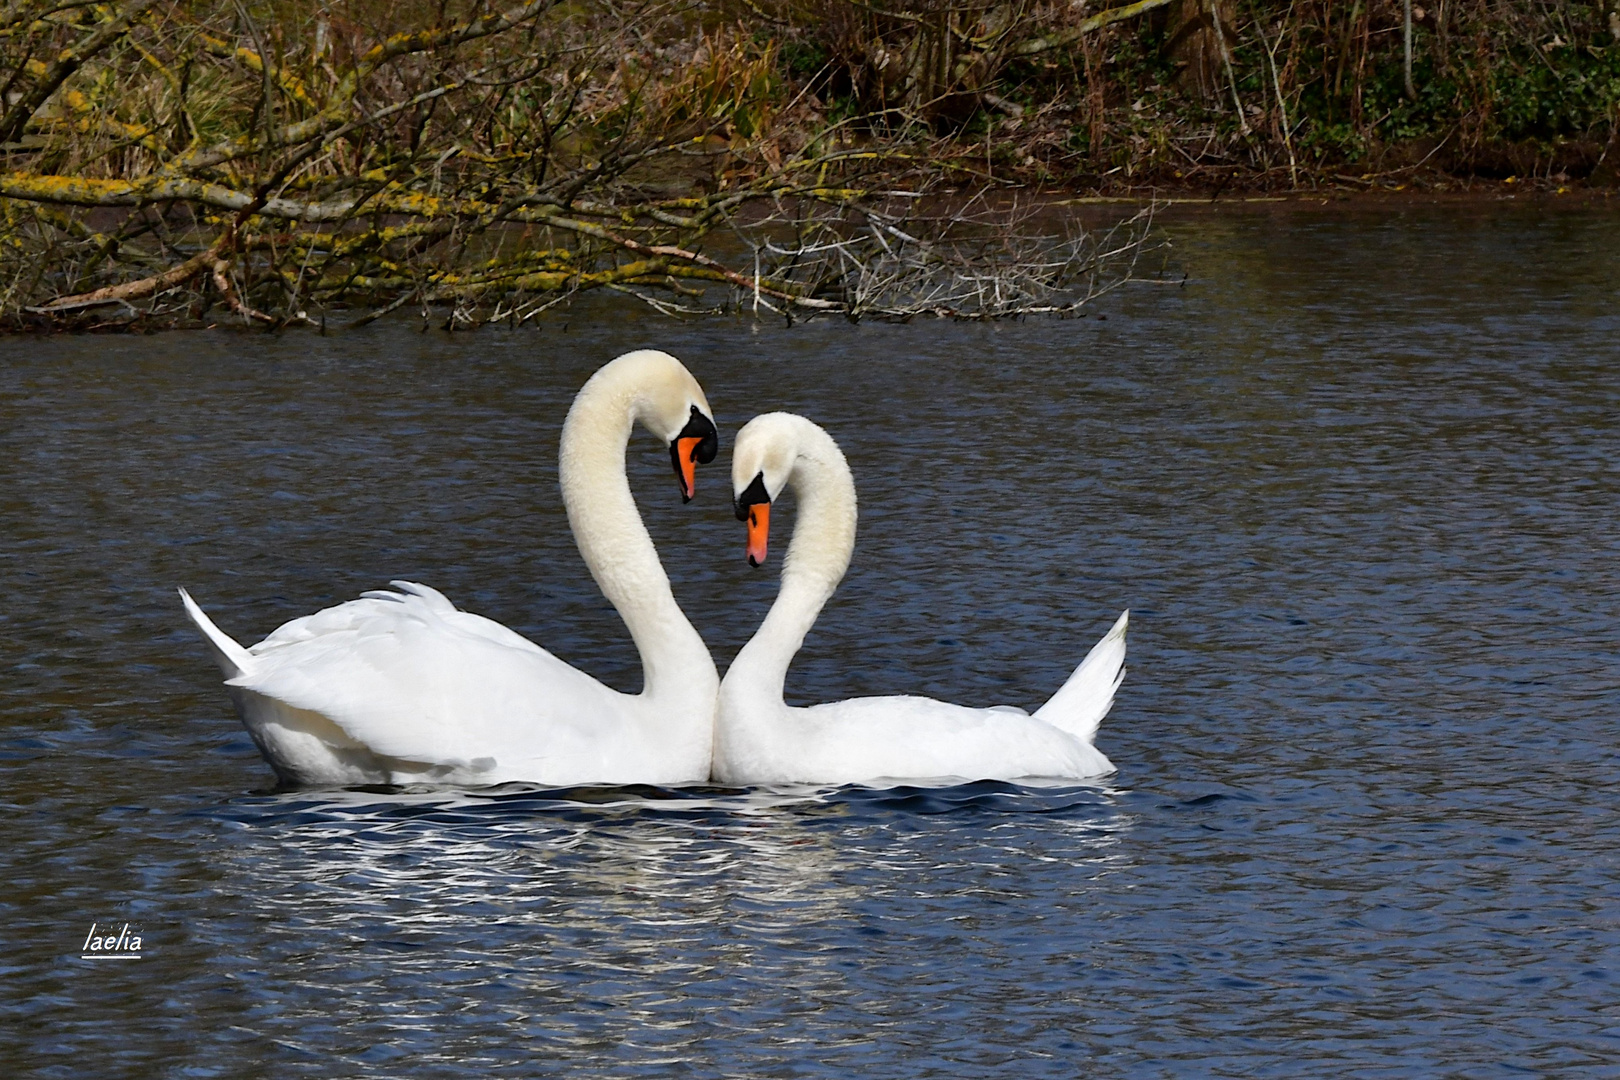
pixel 761 464
pixel 669 403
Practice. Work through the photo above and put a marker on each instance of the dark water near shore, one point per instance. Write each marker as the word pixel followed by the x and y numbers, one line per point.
pixel 1357 482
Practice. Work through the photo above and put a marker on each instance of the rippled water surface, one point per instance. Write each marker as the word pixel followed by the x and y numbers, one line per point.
pixel 1357 482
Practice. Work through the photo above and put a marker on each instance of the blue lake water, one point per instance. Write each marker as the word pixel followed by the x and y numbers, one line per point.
pixel 1357 482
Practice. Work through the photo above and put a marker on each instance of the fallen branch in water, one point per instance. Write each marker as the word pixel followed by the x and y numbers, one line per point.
pixel 132 290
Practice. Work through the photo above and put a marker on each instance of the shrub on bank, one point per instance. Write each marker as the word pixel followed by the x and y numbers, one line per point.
pixel 281 158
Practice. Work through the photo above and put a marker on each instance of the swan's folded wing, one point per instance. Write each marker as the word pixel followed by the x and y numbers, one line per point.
pixel 410 677
pixel 919 738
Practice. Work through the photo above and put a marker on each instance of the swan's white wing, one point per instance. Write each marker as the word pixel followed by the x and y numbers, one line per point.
pixel 408 676
pixel 917 737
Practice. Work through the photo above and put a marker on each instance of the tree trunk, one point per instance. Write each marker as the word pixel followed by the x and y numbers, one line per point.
pixel 1192 44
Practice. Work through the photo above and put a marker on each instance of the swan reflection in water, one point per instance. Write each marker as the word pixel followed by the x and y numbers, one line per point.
pixel 521 874
pixel 701 924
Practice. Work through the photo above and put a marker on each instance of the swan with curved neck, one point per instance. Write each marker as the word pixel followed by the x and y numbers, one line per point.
pixel 402 687
pixel 760 739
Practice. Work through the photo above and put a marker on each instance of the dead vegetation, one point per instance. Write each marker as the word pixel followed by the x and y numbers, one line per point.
pixel 281 162
pixel 1212 95
pixel 299 163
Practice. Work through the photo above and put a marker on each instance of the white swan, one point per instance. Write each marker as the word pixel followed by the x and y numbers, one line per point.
pixel 401 687
pixel 760 739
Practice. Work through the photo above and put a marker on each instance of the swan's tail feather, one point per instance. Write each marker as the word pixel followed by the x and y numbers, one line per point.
pixel 1081 703
pixel 232 659
pixel 435 599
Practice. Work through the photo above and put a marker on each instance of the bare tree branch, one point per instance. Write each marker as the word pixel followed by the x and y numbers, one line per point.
pixel 66 63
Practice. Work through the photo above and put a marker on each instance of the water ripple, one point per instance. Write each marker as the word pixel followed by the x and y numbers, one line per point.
pixel 1355 483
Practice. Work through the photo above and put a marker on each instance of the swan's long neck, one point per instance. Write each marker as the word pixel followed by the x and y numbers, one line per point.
pixel 823 541
pixel 676 666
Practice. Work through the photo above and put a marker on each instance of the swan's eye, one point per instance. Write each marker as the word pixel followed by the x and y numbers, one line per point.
pixel 697 442
pixel 752 495
pixel 701 429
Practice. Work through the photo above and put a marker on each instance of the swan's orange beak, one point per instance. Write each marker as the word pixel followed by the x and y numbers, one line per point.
pixel 686 456
pixel 759 532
